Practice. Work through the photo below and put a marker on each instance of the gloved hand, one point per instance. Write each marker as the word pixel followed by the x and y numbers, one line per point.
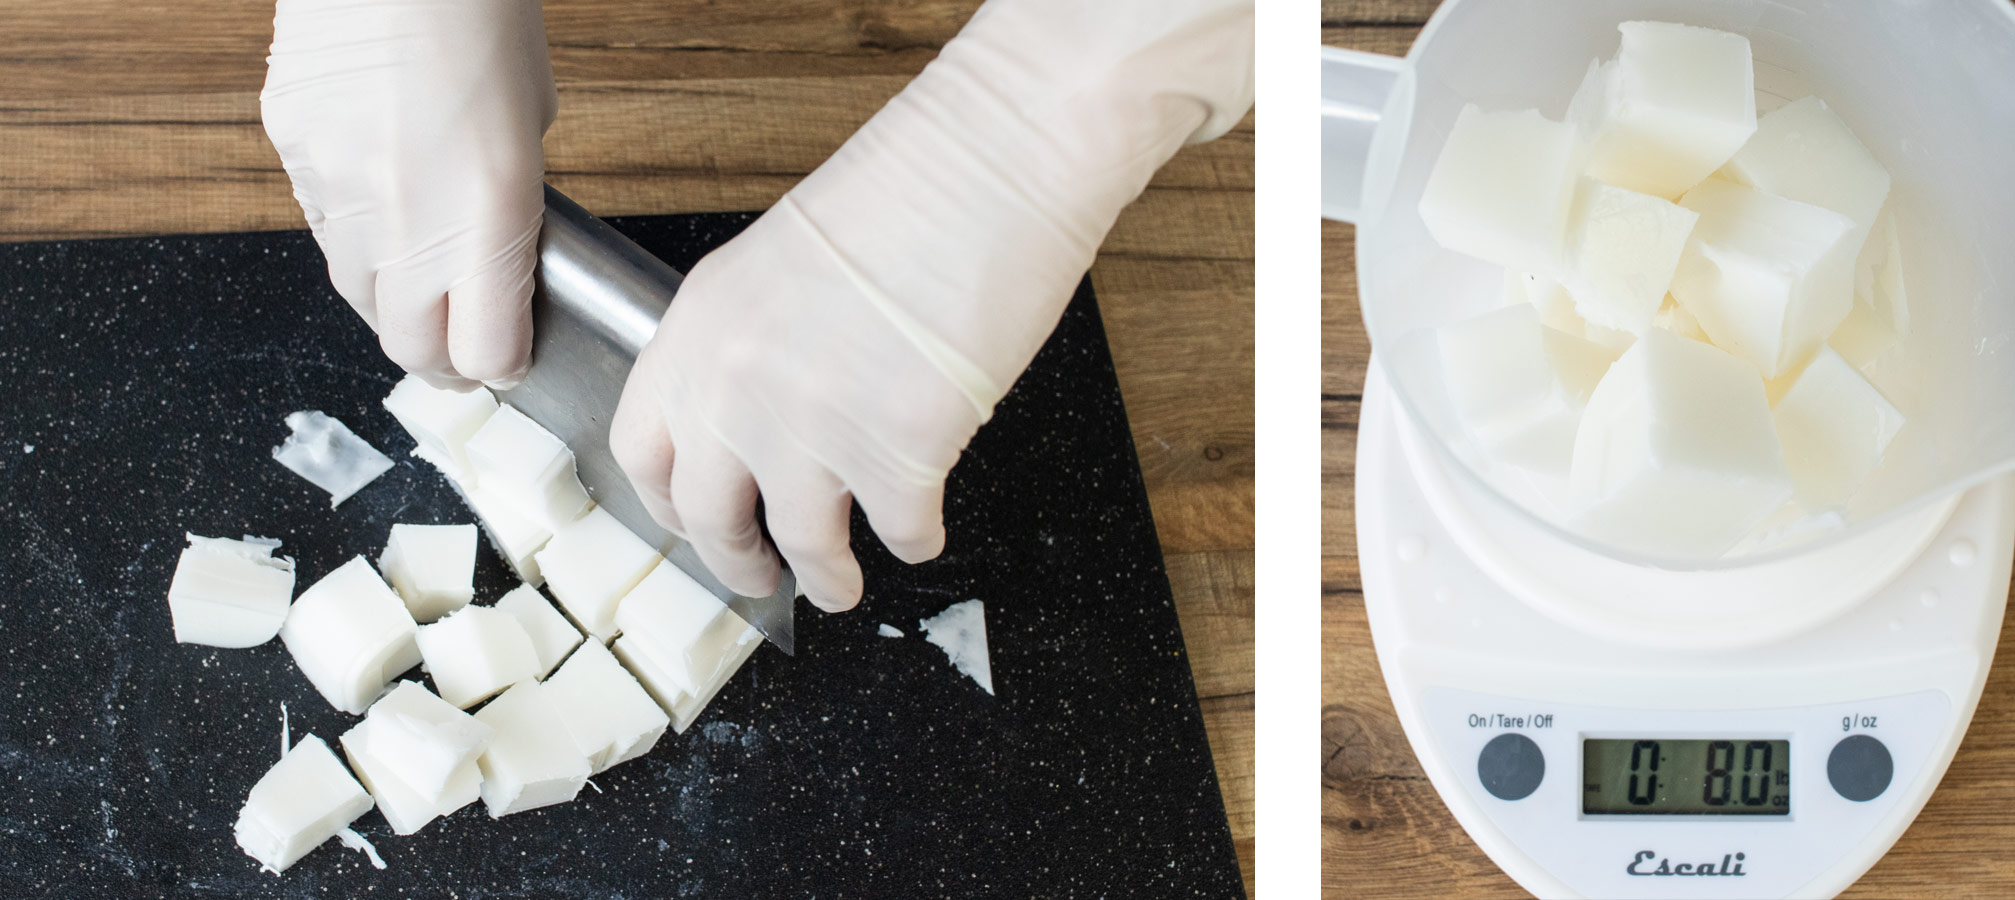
pixel 849 344
pixel 411 132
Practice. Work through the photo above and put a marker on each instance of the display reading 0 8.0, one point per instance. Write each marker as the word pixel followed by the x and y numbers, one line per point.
pixel 1685 777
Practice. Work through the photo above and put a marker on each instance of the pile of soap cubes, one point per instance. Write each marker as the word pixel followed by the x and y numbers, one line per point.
pixel 1691 292
pixel 529 700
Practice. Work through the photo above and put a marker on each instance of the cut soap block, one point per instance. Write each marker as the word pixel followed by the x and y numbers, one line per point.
pixel 532 761
pixel 726 650
pixel 351 636
pixel 610 716
pixel 517 538
pixel 1518 386
pixel 527 467
pixel 1501 188
pixel 1835 426
pixel 1881 313
pixel 552 636
pixel 229 593
pixel 433 567
pixel 441 421
pixel 1802 151
pixel 1677 455
pixel 417 754
pixel 1763 275
pixel 303 800
pixel 1677 103
pixel 590 564
pixel 670 617
pixel 1622 249
pixel 477 652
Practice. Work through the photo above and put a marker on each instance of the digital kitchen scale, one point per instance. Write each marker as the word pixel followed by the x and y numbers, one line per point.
pixel 1605 730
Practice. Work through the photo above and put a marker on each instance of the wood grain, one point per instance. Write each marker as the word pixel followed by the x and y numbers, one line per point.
pixel 1386 833
pixel 124 118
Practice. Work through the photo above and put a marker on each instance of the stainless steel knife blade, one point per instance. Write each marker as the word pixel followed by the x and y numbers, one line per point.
pixel 598 300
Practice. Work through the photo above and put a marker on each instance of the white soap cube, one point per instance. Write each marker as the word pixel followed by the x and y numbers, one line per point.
pixel 724 649
pixel 1622 249
pixel 669 614
pixel 552 636
pixel 1677 455
pixel 433 567
pixel 527 467
pixel 1501 188
pixel 611 718
pixel 1802 151
pixel 656 681
pixel 1546 296
pixel 1835 426
pixel 516 536
pixel 532 761
pixel 351 636
pixel 229 593
pixel 1763 274
pixel 733 652
pixel 1518 387
pixel 440 420
pixel 417 754
pixel 1674 106
pixel 303 800
pixel 1881 313
pixel 477 652
pixel 590 564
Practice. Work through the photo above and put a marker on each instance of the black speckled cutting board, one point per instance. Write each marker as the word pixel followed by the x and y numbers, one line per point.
pixel 142 386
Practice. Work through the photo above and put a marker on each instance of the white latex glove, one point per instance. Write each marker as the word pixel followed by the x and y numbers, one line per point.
pixel 410 129
pixel 849 344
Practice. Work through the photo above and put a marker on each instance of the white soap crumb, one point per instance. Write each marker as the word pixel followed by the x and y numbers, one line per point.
pixel 330 455
pixel 355 841
pixel 961 631
pixel 888 630
pixel 27 448
pixel 286 739
pixel 592 784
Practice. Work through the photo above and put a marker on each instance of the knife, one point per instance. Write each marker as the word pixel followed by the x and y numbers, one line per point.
pixel 597 301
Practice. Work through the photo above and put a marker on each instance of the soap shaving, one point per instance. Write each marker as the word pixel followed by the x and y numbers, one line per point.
pixel 961 631
pixel 330 455
pixel 888 630
pixel 355 841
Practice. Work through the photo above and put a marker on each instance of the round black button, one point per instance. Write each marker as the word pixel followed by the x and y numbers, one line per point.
pixel 1511 766
pixel 1860 768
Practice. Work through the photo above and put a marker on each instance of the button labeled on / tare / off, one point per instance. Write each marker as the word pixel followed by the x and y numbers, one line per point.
pixel 1511 766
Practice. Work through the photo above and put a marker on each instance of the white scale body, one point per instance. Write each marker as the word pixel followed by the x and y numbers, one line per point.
pixel 1484 629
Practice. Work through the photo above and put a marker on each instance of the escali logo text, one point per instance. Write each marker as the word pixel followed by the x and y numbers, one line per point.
pixel 1641 865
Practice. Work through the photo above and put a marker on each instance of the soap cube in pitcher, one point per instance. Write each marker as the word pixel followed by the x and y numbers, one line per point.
pixel 1676 103
pixel 1518 386
pixel 1676 454
pixel 1501 188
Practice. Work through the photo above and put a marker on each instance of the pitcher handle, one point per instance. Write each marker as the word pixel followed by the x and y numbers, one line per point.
pixel 1355 85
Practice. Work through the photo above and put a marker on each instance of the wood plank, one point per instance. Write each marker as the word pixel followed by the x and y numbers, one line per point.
pixel 1340 13
pixel 1213 594
pixel 1230 722
pixel 94 48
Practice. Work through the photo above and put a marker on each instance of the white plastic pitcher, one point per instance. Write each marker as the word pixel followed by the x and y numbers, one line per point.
pixel 1928 86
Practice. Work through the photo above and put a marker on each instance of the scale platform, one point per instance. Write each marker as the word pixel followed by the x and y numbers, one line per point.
pixel 1606 731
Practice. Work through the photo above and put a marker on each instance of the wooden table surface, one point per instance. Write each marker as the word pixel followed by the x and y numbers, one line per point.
pixel 1386 833
pixel 123 118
